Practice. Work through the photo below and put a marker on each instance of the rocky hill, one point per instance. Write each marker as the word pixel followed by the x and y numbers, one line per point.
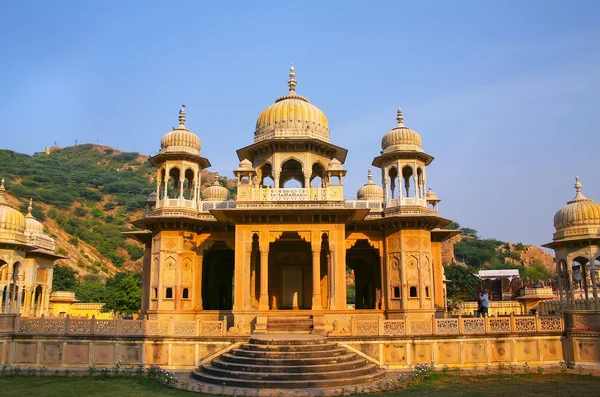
pixel 86 195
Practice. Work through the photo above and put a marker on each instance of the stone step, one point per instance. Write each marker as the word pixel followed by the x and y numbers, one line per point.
pixel 275 353
pixel 290 369
pixel 286 341
pixel 231 358
pixel 289 348
pixel 284 376
pixel 288 384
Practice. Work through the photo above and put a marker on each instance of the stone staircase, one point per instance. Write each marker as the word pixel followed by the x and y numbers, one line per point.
pixel 290 325
pixel 288 362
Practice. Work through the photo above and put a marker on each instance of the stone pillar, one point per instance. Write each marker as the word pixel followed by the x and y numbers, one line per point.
pixel 45 301
pixel 421 283
pixel 27 303
pixel 263 303
pixel 248 277
pixel 560 289
pixel 316 276
pixel 593 277
pixel 199 268
pixel 166 186
pixel 570 290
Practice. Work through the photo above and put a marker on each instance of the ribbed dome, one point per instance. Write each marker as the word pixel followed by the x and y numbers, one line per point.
pixel 292 116
pixel 430 196
pixel 370 191
pixel 32 225
pixel 180 139
pixel 334 165
pixel 215 192
pixel 245 164
pixel 11 220
pixel 401 138
pixel 580 211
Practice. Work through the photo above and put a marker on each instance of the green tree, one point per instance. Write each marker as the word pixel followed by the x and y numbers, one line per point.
pixel 123 293
pixel 90 289
pixel 536 272
pixel 463 283
pixel 64 279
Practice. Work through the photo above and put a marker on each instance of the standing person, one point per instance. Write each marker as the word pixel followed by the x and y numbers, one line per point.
pixel 484 303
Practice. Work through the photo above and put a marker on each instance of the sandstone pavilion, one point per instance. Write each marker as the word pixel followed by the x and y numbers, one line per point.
pixel 251 291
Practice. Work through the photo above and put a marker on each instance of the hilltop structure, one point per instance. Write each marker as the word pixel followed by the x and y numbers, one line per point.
pixel 283 246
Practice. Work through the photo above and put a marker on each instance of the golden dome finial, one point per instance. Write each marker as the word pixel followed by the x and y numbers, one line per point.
pixel 30 207
pixel 370 175
pixel 182 116
pixel 579 196
pixel 292 82
pixel 217 176
pixel 2 191
pixel 399 117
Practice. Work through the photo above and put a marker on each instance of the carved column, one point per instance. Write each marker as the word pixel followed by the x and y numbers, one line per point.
pixel 316 275
pixel 570 290
pixel 2 297
pixel 27 304
pixel 421 283
pixel 263 303
pixel 199 268
pixel 248 277
pixel 593 277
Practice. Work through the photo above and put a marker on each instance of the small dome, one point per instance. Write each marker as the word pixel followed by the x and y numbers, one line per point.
pixel 11 220
pixel 292 116
pixel 245 164
pixel 581 211
pixel 430 196
pixel 215 192
pixel 334 165
pixel 370 191
pixel 401 138
pixel 32 225
pixel 151 197
pixel 180 139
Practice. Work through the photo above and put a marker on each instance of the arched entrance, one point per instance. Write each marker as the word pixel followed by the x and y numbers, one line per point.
pixel 217 277
pixel 363 261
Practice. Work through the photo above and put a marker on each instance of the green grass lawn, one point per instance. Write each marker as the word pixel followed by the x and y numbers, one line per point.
pixel 452 385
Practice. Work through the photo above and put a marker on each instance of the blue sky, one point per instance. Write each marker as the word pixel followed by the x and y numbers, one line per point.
pixel 505 94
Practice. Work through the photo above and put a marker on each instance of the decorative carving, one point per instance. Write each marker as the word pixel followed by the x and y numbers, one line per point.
pixel 184 328
pixel 106 327
pixel 211 328
pixel 550 324
pixel 79 327
pixel 394 327
pixel 366 327
pixel 473 325
pixel 420 327
pixel 154 327
pixel 274 236
pixel 29 325
pixel 412 242
pixel 525 324
pixel 134 327
pixel 447 326
pixel 305 236
pixel 499 324
pixel 54 326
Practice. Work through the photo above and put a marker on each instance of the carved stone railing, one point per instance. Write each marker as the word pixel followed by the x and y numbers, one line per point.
pixel 372 205
pixel 457 326
pixel 165 206
pixel 406 201
pixel 119 327
pixel 330 193
pixel 543 292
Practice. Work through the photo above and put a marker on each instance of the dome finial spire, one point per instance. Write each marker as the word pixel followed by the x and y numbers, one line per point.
pixel 579 196
pixel 2 191
pixel 399 117
pixel 30 208
pixel 292 82
pixel 182 116
pixel 370 175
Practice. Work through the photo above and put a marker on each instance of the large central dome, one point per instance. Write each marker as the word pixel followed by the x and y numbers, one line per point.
pixel 292 116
